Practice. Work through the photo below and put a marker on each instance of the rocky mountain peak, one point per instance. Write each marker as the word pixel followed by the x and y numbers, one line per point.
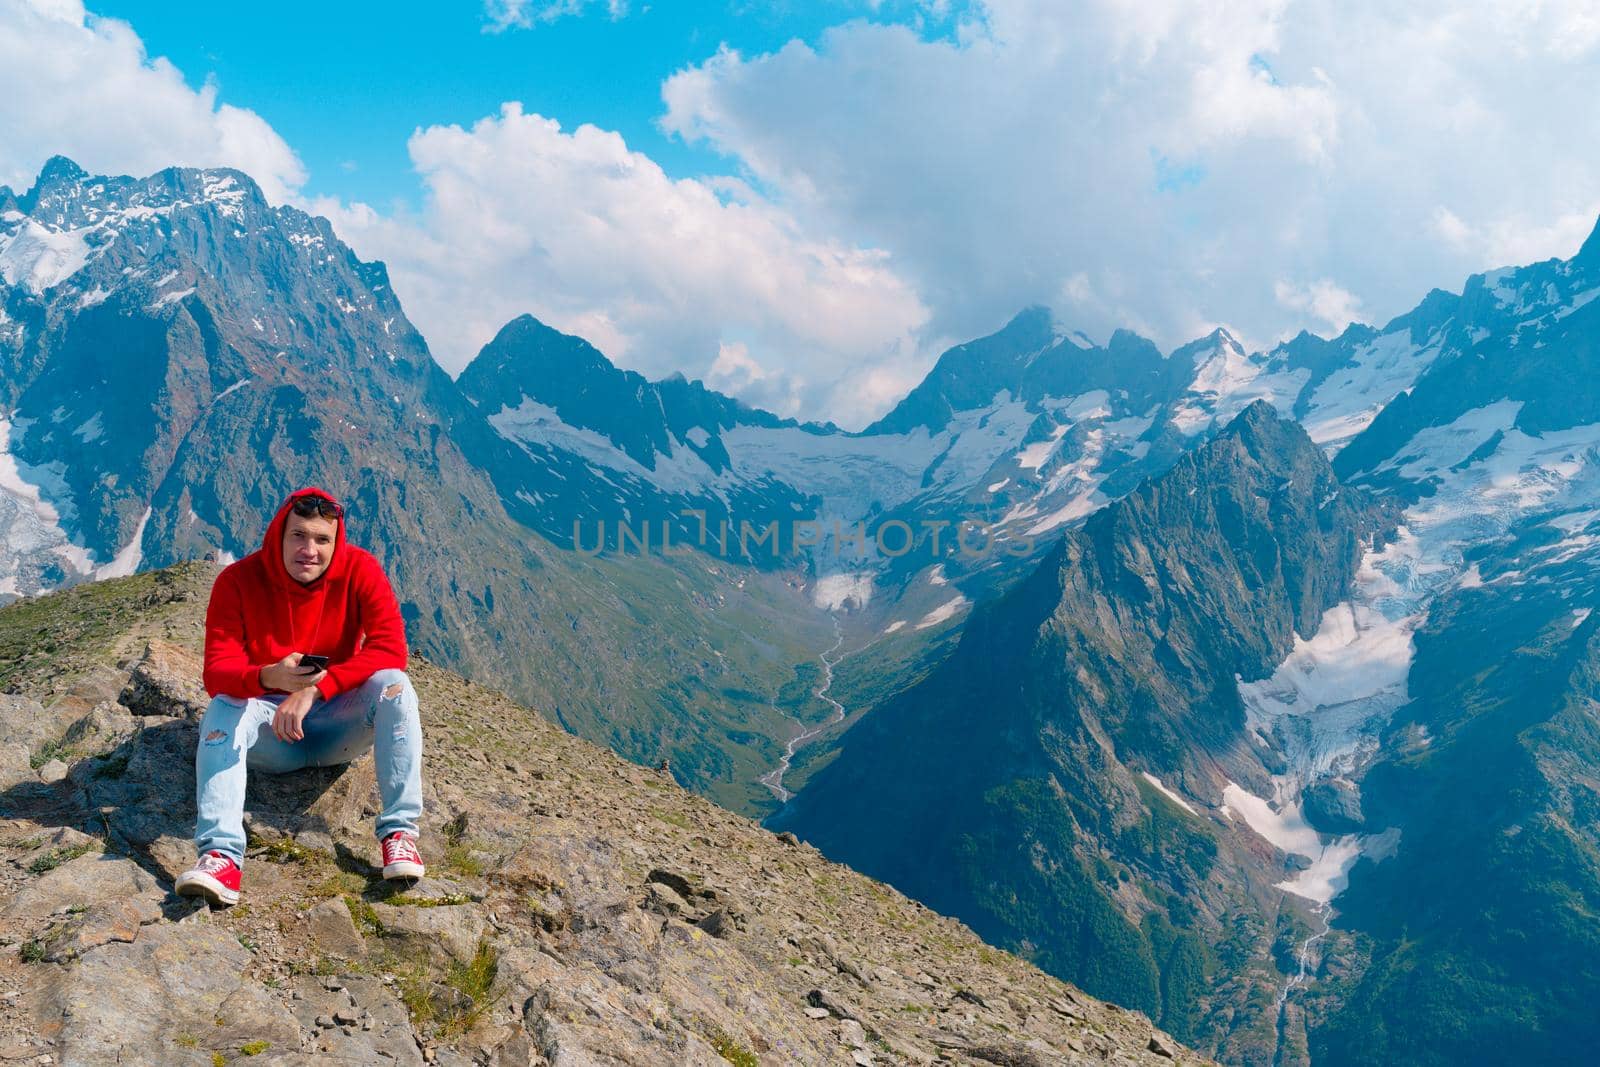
pixel 970 375
pixel 1589 253
pixel 57 171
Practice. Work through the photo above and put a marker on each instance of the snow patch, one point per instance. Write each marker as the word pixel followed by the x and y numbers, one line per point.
pixel 40 259
pixel 1287 830
pixel 30 525
pixel 1227 381
pixel 166 299
pixel 126 561
pixel 944 611
pixel 832 591
pixel 1032 457
pixel 1348 401
pixel 1168 793
pixel 240 384
pixel 91 430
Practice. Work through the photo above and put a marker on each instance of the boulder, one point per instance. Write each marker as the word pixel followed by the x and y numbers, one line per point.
pixel 87 880
pixel 166 681
pixel 101 924
pixel 334 931
pixel 149 1000
pixel 1333 806
pixel 14 766
pixel 447 933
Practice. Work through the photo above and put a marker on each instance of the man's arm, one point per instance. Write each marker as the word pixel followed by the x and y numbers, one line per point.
pixel 228 670
pixel 384 646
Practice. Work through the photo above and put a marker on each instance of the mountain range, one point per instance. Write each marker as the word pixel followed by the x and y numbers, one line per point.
pixel 1251 689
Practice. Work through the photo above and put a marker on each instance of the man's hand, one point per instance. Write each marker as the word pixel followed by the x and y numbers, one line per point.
pixel 287 720
pixel 287 676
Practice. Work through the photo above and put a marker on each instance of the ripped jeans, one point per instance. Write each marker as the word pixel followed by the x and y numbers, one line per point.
pixel 236 735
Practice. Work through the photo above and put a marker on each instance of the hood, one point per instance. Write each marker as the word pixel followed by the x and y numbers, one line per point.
pixel 272 544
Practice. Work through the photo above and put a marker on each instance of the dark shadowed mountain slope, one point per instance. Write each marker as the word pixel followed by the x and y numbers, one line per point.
pixel 1008 787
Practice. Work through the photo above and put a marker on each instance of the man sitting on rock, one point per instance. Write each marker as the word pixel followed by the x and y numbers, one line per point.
pixel 305 592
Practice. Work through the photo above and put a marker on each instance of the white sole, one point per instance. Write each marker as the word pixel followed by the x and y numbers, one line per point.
pixel 404 869
pixel 190 884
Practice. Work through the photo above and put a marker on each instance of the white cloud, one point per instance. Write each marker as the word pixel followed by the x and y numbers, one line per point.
pixel 502 15
pixel 81 86
pixel 1164 165
pixel 1333 308
pixel 660 274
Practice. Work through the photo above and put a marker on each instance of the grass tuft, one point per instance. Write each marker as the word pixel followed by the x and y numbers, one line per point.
pixel 731 1050
pixel 432 1005
pixel 288 850
pixel 364 916
pixel 56 857
pixel 407 900
pixel 48 751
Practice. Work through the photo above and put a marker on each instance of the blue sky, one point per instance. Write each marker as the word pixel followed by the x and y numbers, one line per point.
pixel 804 204
pixel 346 84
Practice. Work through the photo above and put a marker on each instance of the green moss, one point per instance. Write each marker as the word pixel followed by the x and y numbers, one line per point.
pixel 672 818
pixel 731 1050
pixel 288 850
pixel 57 856
pixel 449 899
pixel 364 916
pixel 336 884
pixel 255 1048
pixel 48 751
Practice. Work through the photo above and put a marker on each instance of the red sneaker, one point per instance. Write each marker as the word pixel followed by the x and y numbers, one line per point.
pixel 215 877
pixel 400 856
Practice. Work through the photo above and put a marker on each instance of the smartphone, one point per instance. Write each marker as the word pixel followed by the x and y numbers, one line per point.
pixel 316 663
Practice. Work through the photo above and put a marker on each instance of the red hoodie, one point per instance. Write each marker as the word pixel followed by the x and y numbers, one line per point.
pixel 258 614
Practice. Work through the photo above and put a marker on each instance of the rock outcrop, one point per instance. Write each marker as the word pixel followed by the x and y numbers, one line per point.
pixel 579 910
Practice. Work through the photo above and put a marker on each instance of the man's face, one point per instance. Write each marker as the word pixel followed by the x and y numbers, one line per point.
pixel 308 546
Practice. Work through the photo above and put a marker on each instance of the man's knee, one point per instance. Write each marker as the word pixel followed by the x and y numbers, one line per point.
pixel 391 684
pixel 222 714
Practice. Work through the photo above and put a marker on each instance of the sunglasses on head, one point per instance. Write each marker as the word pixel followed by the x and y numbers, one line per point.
pixel 307 506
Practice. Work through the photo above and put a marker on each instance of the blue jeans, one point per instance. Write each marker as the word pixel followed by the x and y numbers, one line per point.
pixel 236 735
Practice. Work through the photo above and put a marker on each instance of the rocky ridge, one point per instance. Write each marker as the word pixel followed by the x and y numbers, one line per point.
pixel 580 909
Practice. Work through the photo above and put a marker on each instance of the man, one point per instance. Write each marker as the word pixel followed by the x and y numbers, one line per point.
pixel 304 593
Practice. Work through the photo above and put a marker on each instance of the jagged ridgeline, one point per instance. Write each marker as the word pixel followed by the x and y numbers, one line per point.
pixel 178 355
pixel 582 909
